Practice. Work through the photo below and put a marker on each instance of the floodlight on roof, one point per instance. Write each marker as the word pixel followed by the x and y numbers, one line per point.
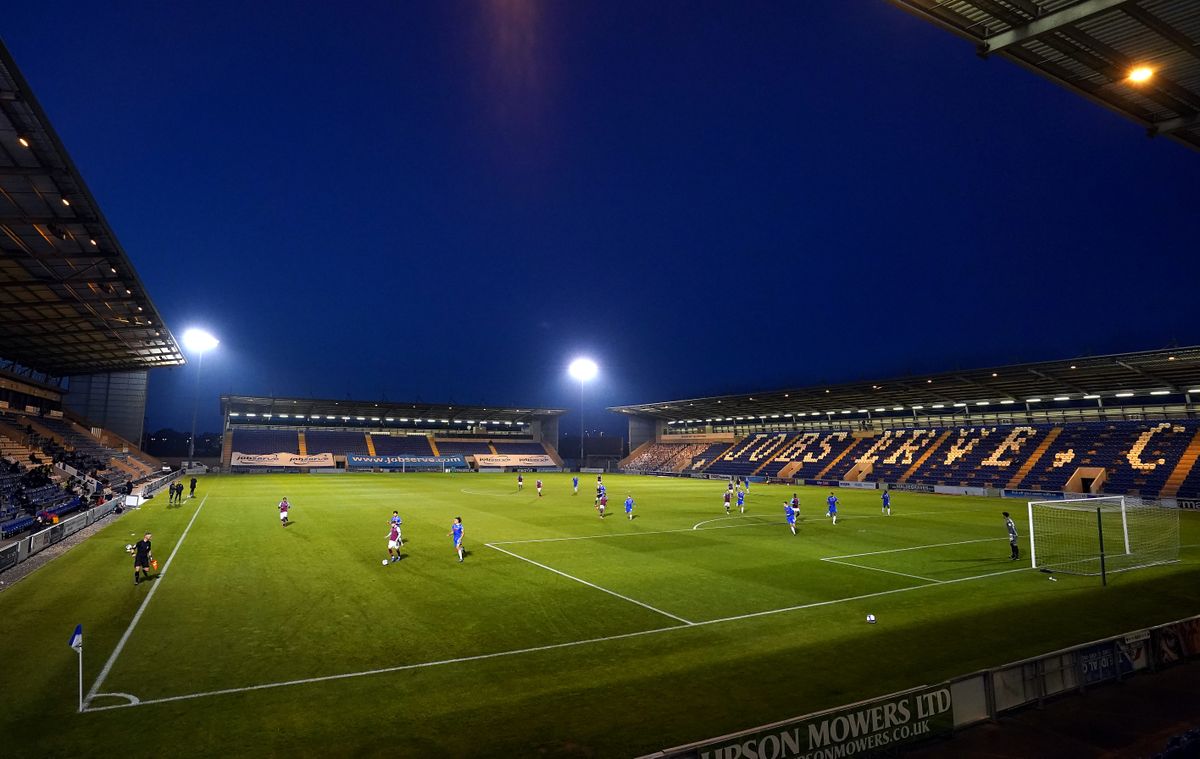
pixel 23 141
pixel 917 408
pixel 1033 400
pixel 1124 395
pixel 1062 397
pixel 1140 74
pixel 1091 397
pixel 938 405
pixel 1160 392
pixel 1007 402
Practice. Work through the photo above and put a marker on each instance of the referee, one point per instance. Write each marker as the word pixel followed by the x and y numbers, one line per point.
pixel 1012 537
pixel 141 559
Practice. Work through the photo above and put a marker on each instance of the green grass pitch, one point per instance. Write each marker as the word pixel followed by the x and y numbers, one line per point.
pixel 561 633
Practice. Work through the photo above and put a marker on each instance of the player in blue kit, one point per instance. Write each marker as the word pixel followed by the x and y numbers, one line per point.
pixel 833 502
pixel 456 531
pixel 397 521
pixel 887 502
pixel 575 484
pixel 791 509
pixel 629 507
pixel 742 501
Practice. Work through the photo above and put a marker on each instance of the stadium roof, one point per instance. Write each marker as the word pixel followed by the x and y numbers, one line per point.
pixel 1091 47
pixel 1145 374
pixel 268 410
pixel 70 301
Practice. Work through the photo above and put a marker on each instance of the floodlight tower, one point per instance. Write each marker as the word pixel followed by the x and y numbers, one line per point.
pixel 197 341
pixel 584 370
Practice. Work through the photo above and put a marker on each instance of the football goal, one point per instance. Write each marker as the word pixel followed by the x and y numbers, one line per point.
pixel 1098 536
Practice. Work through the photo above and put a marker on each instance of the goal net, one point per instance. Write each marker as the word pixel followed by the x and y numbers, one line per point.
pixel 1110 534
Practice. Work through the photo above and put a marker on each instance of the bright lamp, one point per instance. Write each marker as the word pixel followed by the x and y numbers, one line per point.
pixel 583 369
pixel 199 341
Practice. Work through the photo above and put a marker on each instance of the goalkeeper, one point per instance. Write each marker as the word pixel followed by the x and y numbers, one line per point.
pixel 1012 537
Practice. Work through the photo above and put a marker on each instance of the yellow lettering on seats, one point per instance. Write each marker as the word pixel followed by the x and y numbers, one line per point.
pixel 825 447
pixel 882 444
pixel 796 446
pixel 1063 458
pixel 769 441
pixel 966 442
pixel 1012 444
pixel 920 438
pixel 1135 452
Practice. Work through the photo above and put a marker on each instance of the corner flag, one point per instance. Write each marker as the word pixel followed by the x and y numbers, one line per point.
pixel 77 638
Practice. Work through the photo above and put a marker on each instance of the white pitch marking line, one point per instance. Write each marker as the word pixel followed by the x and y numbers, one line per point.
pixel 108 665
pixel 591 585
pixel 535 649
pixel 625 534
pixel 696 526
pixel 913 548
pixel 877 569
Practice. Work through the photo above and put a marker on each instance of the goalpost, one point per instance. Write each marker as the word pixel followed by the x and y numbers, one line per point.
pixel 1097 536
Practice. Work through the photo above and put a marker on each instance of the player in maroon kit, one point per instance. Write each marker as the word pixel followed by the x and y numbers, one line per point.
pixel 284 506
pixel 393 542
pixel 539 487
pixel 727 494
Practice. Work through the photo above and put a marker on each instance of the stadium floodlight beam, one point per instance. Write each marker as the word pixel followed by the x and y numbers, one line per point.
pixel 584 370
pixel 199 342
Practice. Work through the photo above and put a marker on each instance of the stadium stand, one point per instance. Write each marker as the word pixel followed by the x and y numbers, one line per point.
pixel 519 448
pixel 337 442
pixel 749 455
pixel 258 441
pixel 709 455
pixel 463 447
pixel 1137 457
pixel 664 457
pixel 402 445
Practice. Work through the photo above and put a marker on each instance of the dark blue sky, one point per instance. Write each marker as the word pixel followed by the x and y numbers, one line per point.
pixel 447 200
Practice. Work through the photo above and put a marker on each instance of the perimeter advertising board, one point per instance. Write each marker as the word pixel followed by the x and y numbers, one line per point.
pixel 281 459
pixel 511 460
pixel 862 729
pixel 356 461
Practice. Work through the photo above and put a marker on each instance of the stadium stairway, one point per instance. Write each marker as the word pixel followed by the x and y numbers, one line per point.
pixel 433 446
pixel 226 450
pixel 924 457
pixel 371 445
pixel 1034 457
pixel 553 454
pixel 1182 469
pixel 302 442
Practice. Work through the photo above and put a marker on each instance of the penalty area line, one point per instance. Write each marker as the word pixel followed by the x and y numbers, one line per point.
pixel 591 585
pixel 877 569
pixel 912 548
pixel 108 665
pixel 536 649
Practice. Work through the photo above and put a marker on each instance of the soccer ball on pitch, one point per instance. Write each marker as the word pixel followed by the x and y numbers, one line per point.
pixel 870 619
pixel 385 562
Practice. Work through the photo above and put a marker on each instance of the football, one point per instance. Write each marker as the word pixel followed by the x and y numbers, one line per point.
pixel 385 562
pixel 870 619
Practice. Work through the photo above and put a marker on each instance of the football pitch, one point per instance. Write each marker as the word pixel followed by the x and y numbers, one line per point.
pixel 560 634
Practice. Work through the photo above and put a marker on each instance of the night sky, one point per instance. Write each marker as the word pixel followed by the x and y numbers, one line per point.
pixel 445 201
